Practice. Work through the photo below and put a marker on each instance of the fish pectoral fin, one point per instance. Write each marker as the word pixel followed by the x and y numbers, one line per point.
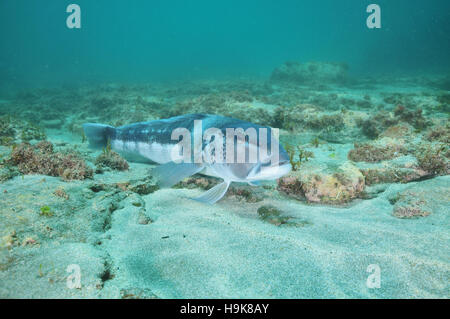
pixel 214 194
pixel 171 173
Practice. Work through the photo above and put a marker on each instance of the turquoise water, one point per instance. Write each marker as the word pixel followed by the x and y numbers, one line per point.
pixel 363 114
pixel 172 40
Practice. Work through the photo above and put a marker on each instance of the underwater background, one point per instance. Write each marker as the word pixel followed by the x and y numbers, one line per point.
pixel 363 114
pixel 171 40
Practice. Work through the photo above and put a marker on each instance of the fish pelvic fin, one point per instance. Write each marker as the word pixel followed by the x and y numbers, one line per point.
pixel 98 134
pixel 171 173
pixel 214 194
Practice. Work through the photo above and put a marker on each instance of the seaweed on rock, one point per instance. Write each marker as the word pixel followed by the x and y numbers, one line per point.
pixel 42 159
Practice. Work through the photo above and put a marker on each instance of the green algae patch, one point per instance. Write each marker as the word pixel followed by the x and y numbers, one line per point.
pixel 46 211
pixel 302 156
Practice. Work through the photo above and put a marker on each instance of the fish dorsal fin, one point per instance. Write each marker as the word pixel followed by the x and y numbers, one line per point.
pixel 214 194
pixel 171 173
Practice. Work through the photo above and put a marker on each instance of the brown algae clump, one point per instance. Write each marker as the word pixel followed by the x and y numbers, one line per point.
pixel 392 175
pixel 13 130
pixel 366 152
pixel 376 124
pixel 409 204
pixel 439 134
pixel 109 158
pixel 60 192
pixel 42 159
pixel 414 117
pixel 341 187
pixel 434 158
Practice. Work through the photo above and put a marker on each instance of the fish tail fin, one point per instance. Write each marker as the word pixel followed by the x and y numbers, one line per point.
pixel 98 134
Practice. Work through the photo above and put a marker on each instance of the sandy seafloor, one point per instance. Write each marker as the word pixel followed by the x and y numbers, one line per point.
pixel 165 245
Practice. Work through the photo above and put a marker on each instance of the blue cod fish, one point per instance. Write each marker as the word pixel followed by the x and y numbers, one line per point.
pixel 152 142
